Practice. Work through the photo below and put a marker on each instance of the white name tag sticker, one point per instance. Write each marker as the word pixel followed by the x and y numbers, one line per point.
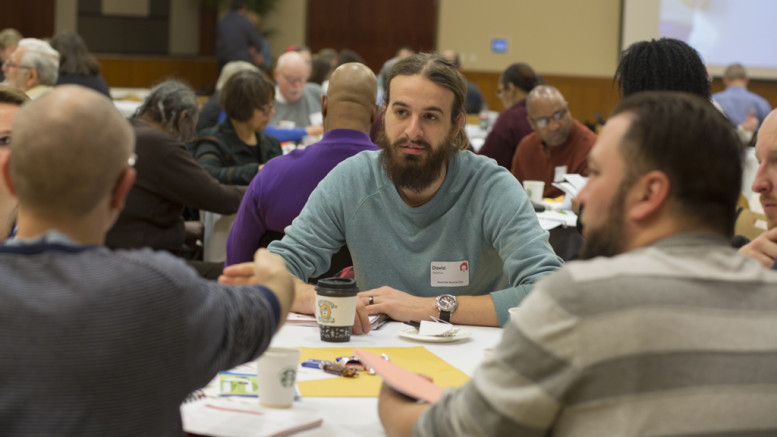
pixel 450 274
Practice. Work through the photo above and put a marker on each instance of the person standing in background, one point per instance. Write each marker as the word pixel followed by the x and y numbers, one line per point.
pixel 237 37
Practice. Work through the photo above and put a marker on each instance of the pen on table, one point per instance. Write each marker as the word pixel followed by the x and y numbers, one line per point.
pixel 380 322
pixel 413 323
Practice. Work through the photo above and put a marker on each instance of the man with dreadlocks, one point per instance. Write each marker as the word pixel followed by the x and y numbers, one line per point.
pixel 668 64
pixel 433 230
pixel 664 64
pixel 168 177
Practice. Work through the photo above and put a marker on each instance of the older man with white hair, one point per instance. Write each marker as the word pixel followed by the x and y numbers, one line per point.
pixel 297 102
pixel 33 67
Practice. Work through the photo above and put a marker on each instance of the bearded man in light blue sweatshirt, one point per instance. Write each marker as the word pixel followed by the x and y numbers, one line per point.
pixel 433 229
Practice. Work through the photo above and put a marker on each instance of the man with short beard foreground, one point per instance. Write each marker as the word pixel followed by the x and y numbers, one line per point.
pixel 422 218
pixel 674 336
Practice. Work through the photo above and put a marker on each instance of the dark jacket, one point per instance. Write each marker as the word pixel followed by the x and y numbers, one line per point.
pixel 227 158
pixel 167 179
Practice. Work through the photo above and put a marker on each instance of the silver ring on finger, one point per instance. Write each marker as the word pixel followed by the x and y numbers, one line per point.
pixel 371 301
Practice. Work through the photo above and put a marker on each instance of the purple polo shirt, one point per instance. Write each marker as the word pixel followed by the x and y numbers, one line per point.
pixel 277 194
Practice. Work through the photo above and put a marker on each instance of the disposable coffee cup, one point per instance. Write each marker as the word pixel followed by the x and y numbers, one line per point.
pixel 276 372
pixel 336 308
pixel 534 190
pixel 513 313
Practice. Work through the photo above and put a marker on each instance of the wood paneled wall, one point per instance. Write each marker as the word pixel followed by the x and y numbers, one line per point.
pixel 589 95
pixel 33 18
pixel 373 29
pixel 144 72
pixel 585 95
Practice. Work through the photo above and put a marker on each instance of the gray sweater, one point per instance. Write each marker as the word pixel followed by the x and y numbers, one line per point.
pixel 480 216
pixel 98 343
pixel 675 339
pixel 300 111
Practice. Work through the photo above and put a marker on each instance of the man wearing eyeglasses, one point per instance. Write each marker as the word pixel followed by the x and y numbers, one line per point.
pixel 33 67
pixel 297 103
pixel 559 144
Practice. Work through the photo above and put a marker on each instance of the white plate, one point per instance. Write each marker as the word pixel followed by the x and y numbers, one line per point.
pixel 411 333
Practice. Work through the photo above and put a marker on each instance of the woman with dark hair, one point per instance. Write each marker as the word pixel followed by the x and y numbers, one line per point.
pixel 512 124
pixel 76 64
pixel 235 150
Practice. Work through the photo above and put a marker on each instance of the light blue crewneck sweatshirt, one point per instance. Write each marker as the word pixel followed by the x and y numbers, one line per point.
pixel 480 215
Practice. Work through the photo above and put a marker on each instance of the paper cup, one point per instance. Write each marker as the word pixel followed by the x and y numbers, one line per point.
pixel 534 190
pixel 336 308
pixel 513 313
pixel 276 372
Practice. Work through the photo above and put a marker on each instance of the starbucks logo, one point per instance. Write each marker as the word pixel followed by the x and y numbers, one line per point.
pixel 288 376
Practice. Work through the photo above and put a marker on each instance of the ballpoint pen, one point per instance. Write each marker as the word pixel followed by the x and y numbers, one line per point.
pixel 413 323
pixel 380 321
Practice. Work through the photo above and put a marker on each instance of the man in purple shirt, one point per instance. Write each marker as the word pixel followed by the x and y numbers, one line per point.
pixel 278 193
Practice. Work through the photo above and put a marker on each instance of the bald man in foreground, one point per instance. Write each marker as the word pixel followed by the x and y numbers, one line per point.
pixel 278 193
pixel 96 342
pixel 764 247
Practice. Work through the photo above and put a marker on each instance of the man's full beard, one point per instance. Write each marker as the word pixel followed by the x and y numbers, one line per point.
pixel 410 171
pixel 608 239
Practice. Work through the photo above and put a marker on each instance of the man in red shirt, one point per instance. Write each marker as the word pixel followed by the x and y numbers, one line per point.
pixel 558 145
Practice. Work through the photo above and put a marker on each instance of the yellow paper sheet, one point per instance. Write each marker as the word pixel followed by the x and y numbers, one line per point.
pixel 417 359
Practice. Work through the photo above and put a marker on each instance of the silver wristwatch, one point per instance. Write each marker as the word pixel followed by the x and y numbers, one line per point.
pixel 446 304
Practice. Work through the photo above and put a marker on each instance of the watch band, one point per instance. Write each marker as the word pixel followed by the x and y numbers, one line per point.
pixel 445 316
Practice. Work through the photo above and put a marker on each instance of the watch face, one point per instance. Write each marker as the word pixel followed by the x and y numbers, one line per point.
pixel 447 302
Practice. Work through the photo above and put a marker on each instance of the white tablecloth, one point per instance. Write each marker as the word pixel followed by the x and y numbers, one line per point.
pixel 358 417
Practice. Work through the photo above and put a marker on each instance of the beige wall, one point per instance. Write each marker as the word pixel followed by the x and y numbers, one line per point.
pixel 66 16
pixel 557 37
pixel 184 32
pixel 288 23
pixel 563 37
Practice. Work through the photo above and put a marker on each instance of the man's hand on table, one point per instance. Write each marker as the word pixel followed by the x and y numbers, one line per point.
pixel 763 248
pixel 399 305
